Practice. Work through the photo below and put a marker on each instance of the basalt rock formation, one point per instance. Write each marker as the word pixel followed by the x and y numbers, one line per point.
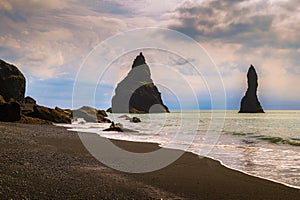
pixel 49 114
pixel 9 111
pixel 14 107
pixel 136 93
pixel 12 82
pixel 250 103
pixel 90 114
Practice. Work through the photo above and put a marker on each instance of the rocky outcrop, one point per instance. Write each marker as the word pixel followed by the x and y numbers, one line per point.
pixel 14 107
pixel 49 114
pixel 34 113
pixel 250 103
pixel 9 111
pixel 12 82
pixel 91 114
pixel 136 93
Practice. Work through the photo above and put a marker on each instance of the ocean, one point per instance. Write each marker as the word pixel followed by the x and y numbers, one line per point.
pixel 263 145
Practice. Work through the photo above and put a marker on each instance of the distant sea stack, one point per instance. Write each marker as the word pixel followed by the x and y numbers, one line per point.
pixel 250 103
pixel 136 93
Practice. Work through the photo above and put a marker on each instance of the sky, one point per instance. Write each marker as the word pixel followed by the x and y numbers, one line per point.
pixel 50 41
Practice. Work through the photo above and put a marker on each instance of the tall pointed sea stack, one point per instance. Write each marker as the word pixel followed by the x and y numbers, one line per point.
pixel 136 93
pixel 250 103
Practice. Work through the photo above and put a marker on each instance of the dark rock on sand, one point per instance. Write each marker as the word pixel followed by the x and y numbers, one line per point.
pixel 12 82
pixel 250 103
pixel 136 93
pixel 90 114
pixel 10 111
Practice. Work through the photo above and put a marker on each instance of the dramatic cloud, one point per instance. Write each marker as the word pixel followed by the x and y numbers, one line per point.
pixel 238 33
pixel 251 23
pixel 49 40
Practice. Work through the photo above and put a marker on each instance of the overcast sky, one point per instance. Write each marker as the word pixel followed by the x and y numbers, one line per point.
pixel 49 41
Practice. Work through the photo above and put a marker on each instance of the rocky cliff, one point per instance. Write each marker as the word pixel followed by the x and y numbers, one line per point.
pixel 14 107
pixel 250 103
pixel 12 82
pixel 137 93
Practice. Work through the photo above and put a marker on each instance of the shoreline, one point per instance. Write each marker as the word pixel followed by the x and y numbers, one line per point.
pixel 46 161
pixel 220 161
pixel 256 176
pixel 210 157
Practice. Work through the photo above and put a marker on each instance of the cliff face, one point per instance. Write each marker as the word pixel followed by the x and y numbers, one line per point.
pixel 136 93
pixel 14 107
pixel 250 103
pixel 12 82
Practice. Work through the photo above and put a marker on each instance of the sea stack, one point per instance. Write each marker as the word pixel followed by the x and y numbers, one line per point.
pixel 136 93
pixel 250 103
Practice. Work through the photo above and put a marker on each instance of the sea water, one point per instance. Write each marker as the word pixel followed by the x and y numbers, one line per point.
pixel 264 145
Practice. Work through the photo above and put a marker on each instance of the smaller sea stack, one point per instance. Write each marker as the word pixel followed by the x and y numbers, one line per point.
pixel 250 103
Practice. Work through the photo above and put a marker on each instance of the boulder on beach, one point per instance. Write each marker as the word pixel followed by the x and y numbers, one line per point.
pixel 10 111
pixel 12 82
pixel 250 102
pixel 137 93
pixel 90 114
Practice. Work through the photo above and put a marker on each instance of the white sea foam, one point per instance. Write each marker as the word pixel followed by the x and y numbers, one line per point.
pixel 263 145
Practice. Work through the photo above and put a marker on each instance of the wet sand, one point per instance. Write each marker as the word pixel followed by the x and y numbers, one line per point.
pixel 49 162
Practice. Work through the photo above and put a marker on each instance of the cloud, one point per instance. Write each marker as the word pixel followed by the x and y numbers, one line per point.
pixel 251 23
pixel 49 40
pixel 5 5
pixel 240 33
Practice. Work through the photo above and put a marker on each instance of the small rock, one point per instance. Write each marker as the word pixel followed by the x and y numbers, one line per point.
pixel 135 120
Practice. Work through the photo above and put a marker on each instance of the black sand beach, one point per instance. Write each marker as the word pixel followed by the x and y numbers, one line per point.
pixel 49 162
